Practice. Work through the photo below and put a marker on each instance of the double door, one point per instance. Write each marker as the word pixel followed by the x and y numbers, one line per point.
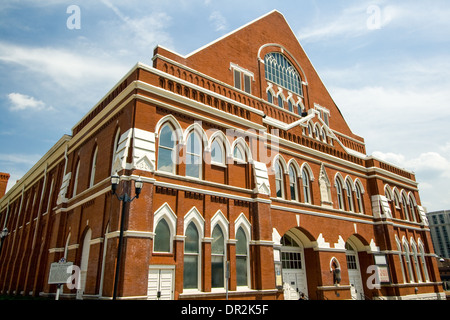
pixel 160 284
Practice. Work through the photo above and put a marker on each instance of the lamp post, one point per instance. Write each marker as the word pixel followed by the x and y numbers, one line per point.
pixel 125 198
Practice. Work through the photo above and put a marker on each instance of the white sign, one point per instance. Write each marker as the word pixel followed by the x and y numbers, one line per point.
pixel 59 272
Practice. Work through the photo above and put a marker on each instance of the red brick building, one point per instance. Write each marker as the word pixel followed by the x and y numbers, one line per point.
pixel 248 166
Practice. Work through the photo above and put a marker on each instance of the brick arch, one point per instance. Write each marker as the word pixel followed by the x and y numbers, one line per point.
pixel 359 241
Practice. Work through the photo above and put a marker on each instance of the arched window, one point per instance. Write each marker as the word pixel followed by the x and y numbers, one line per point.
pixel 349 196
pixel 280 101
pixel 241 258
pixel 161 242
pixel 407 254
pixel 416 262
pixel 306 186
pixel 412 208
pixel 399 250
pixel 279 181
pixel 310 129
pixel 93 168
pixel 359 201
pixel 194 156
pixel 115 147
pixel 317 132
pixel 293 183
pixel 166 149
pixel 269 96
pixel 217 258
pixel 340 196
pixel 191 258
pixel 75 183
pixel 405 207
pixel 424 263
pixel 217 154
pixel 290 106
pixel 279 70
pixel 239 154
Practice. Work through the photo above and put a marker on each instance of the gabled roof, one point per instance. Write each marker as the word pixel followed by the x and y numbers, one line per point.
pixel 246 47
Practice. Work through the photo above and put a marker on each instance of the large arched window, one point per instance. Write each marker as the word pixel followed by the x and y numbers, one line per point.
pixel 161 242
pixel 306 186
pixel 293 182
pixel 194 156
pixel 166 149
pixel 241 258
pixel 218 258
pixel 191 258
pixel 279 181
pixel 280 71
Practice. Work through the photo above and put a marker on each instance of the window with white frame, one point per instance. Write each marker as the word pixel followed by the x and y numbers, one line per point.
pixel 191 257
pixel 279 70
pixel 324 113
pixel 217 152
pixel 306 186
pixel 340 195
pixel 161 242
pixel 242 78
pixel 75 182
pixel 349 195
pixel 218 258
pixel 166 149
pixel 239 154
pixel 93 168
pixel 293 182
pixel 359 199
pixel 194 156
pixel 241 258
pixel 279 181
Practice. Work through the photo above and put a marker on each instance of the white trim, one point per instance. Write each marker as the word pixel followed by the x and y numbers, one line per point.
pixel 165 212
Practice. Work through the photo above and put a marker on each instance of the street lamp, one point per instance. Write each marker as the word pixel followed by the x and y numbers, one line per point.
pixel 125 198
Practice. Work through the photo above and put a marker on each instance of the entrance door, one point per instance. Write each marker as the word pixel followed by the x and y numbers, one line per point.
pixel 293 269
pixel 160 284
pixel 354 274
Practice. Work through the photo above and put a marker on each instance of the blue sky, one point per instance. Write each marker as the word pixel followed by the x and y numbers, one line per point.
pixel 385 63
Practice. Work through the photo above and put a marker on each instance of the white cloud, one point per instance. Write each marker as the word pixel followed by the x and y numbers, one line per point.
pixel 363 18
pixel 20 102
pixel 65 67
pixel 142 33
pixel 430 163
pixel 353 21
pixel 14 158
pixel 218 20
pixel 432 171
